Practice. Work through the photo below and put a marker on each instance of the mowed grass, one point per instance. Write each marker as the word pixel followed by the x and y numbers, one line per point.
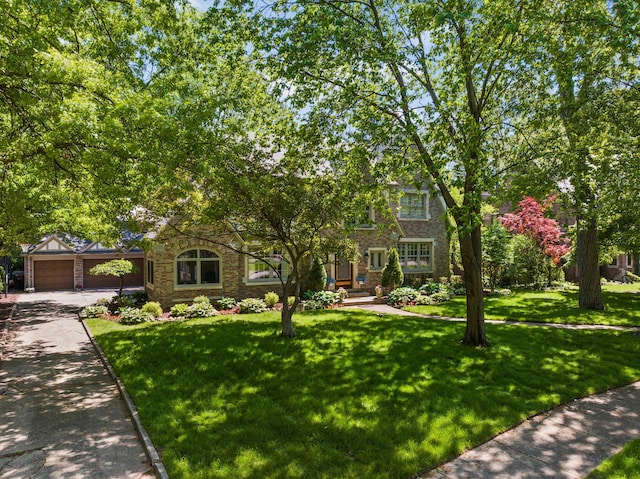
pixel 356 395
pixel 622 307
pixel 624 465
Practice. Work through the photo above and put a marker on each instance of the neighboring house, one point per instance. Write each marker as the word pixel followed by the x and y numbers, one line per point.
pixel 62 262
pixel 619 267
pixel 178 268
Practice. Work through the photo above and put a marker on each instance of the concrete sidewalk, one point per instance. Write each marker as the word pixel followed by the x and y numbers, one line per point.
pixel 62 416
pixel 566 442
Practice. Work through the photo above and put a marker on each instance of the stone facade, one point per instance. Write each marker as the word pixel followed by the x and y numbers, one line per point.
pixel 372 242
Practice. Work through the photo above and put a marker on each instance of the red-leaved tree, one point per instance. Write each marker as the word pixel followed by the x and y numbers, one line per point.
pixel 529 220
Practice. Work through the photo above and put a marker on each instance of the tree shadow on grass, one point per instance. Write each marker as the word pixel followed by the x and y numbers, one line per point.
pixel 355 395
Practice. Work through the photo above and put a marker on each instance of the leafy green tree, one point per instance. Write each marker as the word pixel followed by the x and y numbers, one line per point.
pixel 431 85
pixel 116 267
pixel 392 276
pixel 529 266
pixel 588 52
pixel 495 252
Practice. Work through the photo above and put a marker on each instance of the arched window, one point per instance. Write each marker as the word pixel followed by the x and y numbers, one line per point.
pixel 198 267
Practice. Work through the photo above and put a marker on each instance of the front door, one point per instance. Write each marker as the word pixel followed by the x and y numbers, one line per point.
pixel 344 273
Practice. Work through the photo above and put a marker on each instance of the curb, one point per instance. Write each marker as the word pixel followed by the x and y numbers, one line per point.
pixel 5 330
pixel 149 448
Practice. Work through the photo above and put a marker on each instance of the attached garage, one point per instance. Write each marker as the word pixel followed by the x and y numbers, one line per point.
pixel 53 275
pixel 62 262
pixel 130 280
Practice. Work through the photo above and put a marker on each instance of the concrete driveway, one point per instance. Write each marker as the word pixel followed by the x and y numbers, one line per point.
pixel 62 415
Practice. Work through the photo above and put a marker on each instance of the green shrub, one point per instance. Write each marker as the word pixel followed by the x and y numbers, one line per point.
pixel 392 275
pixel 291 300
pixel 423 300
pixel 94 311
pixel 402 295
pixel 271 299
pixel 201 300
pixel 134 316
pixel 317 277
pixel 154 308
pixel 326 298
pixel 313 305
pixel 441 296
pixel 432 287
pixel 226 303
pixel 180 310
pixel 201 309
pixel 252 305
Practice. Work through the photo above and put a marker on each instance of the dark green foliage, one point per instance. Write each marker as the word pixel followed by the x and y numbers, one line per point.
pixel 495 253
pixel 317 275
pixel 530 266
pixel 392 276
pixel 226 302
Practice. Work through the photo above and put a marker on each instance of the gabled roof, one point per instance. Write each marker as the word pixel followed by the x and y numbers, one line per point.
pixel 67 244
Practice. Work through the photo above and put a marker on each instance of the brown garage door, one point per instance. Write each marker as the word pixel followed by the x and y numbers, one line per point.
pixel 53 275
pixel 92 281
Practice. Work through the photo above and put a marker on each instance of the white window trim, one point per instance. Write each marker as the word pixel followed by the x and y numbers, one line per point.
pixel 372 251
pixel 197 285
pixel 427 212
pixel 629 260
pixel 431 267
pixel 257 282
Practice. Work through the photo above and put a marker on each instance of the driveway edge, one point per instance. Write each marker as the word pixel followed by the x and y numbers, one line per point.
pixel 149 448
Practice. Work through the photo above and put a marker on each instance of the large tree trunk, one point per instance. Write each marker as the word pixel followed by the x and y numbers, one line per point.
pixel 287 321
pixel 287 312
pixel 471 251
pixel 590 291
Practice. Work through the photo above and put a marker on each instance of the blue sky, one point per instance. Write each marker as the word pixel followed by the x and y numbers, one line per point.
pixel 201 4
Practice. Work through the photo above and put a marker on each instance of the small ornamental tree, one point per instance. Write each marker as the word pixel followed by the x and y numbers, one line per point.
pixel 317 275
pixel 495 252
pixel 116 267
pixel 529 220
pixel 392 275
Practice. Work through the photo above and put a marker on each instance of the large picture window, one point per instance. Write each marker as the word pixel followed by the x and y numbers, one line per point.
pixel 414 205
pixel 415 257
pixel 198 267
pixel 259 271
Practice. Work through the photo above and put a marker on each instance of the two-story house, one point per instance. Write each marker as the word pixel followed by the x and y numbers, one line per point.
pixel 178 268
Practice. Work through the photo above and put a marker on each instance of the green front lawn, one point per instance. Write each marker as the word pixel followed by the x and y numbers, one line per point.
pixel 622 307
pixel 624 465
pixel 356 395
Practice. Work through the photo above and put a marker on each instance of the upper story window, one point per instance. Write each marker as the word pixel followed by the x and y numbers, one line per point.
pixel 415 257
pixel 261 270
pixel 198 267
pixel 414 205
pixel 362 218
